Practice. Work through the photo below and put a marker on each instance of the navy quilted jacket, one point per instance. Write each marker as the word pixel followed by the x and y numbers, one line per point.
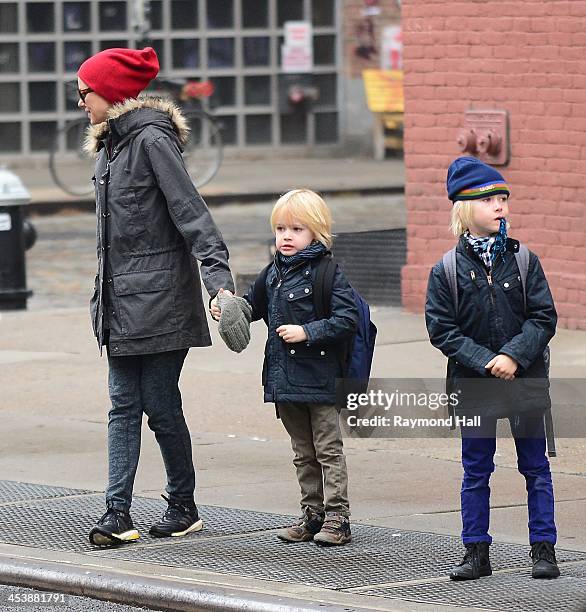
pixel 303 371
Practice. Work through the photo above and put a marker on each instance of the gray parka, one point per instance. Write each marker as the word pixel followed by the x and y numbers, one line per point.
pixel 152 225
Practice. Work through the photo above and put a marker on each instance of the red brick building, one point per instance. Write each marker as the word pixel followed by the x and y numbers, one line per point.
pixel 527 57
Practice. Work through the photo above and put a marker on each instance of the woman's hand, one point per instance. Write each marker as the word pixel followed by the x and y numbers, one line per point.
pixel 214 308
pixel 292 333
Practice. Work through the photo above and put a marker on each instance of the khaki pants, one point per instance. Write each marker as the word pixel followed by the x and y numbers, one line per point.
pixel 319 459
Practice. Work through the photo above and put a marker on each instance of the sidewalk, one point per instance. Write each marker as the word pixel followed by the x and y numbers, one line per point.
pixel 242 180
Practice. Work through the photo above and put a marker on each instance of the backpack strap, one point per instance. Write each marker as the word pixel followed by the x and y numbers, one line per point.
pixel 259 293
pixel 522 257
pixel 449 263
pixel 323 286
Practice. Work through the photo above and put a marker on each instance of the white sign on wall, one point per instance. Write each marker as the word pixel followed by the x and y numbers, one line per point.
pixel 298 33
pixel 297 51
pixel 392 48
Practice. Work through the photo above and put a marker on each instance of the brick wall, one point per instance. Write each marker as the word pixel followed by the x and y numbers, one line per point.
pixel 525 56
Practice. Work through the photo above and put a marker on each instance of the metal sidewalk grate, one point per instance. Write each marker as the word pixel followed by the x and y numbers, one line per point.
pixel 14 492
pixel 58 518
pixel 510 591
pixel 64 523
pixel 376 555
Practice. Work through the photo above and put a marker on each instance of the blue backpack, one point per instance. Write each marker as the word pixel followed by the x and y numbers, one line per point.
pixel 356 357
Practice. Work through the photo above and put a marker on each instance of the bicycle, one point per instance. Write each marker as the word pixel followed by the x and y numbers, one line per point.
pixel 71 168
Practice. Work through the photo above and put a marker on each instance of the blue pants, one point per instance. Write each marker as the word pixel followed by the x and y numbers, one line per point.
pixel 147 384
pixel 478 461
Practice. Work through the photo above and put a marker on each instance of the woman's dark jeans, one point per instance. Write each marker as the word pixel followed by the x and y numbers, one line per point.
pixel 149 384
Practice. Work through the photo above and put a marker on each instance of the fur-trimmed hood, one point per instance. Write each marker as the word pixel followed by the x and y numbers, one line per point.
pixel 123 119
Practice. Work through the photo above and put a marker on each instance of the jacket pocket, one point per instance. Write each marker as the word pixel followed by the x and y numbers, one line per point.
pixel 146 305
pixel 308 366
pixel 134 232
pixel 512 287
pixel 300 304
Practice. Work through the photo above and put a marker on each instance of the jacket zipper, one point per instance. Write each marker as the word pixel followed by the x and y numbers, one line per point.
pixel 491 289
pixel 104 240
pixel 490 283
pixel 299 265
pixel 279 283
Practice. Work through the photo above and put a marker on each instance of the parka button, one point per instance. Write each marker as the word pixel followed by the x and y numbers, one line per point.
pixel 322 353
pixel 101 181
pixel 291 295
pixel 114 348
pixel 506 285
pixel 292 351
pixel 306 272
pixel 306 290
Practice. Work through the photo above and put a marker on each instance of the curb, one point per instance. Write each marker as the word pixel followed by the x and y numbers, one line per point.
pixel 51 207
pixel 148 592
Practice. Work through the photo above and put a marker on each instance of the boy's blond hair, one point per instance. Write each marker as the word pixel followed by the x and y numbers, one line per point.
pixel 461 218
pixel 307 207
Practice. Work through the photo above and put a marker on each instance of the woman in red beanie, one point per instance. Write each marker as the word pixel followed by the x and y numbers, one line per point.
pixel 147 307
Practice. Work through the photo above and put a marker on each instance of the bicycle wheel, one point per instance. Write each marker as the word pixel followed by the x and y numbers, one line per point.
pixel 204 150
pixel 71 168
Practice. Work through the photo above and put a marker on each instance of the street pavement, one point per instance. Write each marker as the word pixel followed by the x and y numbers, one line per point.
pixel 62 264
pixel 54 413
pixel 14 598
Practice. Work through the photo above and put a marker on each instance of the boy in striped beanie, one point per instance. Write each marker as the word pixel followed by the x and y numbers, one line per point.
pixel 489 310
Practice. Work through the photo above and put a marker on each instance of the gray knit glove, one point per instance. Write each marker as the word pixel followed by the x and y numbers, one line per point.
pixel 235 318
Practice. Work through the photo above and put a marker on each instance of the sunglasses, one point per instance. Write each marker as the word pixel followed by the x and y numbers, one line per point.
pixel 83 93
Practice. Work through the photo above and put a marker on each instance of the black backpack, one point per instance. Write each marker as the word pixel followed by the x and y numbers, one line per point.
pixel 522 257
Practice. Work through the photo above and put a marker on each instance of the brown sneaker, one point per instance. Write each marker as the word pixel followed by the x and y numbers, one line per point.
pixel 304 529
pixel 335 530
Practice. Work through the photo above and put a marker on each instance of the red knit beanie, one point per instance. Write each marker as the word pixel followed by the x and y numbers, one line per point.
pixel 118 74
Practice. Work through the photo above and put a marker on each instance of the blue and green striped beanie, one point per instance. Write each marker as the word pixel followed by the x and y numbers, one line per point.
pixel 471 179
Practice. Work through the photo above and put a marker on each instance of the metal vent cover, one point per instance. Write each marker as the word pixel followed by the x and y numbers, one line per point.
pixel 508 591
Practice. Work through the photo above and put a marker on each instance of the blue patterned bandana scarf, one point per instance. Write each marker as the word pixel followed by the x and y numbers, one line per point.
pixel 489 247
pixel 309 252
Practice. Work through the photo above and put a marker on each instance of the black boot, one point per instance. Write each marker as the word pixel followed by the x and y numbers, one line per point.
pixel 475 563
pixel 544 561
